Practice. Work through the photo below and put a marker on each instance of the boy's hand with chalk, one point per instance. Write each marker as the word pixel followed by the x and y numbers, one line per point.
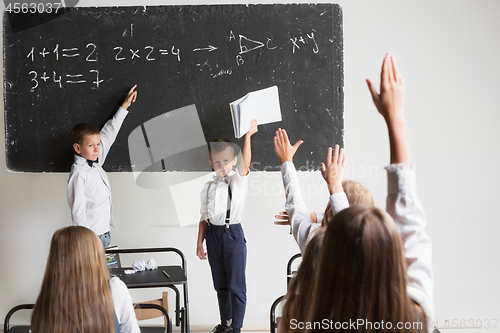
pixel 282 147
pixel 131 97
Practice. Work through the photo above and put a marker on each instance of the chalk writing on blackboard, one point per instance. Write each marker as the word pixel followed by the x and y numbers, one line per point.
pixel 148 53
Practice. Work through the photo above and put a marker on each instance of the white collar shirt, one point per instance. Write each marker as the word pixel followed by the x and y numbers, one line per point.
pixel 89 192
pixel 215 207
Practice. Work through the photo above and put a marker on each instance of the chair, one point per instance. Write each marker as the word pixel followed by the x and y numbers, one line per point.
pixel 150 310
pixel 143 314
pixel 289 275
pixel 17 329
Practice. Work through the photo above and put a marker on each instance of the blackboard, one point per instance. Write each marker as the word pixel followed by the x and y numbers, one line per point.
pixel 78 67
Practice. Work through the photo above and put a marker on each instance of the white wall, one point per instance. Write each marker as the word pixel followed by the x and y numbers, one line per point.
pixel 448 52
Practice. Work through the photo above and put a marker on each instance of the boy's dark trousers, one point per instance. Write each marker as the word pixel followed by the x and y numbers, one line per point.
pixel 227 255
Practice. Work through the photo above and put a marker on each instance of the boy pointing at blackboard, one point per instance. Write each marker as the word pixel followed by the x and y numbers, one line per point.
pixel 89 192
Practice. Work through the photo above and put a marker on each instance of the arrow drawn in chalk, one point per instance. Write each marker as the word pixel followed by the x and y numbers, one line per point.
pixel 210 48
pixel 247 44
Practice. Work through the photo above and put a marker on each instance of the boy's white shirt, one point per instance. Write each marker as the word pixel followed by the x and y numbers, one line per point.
pixel 217 199
pixel 89 192
pixel 404 207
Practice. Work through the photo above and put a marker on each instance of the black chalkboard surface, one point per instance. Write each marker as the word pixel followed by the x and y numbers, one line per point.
pixel 79 66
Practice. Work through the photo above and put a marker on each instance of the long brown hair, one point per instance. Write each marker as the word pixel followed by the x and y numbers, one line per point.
pixel 298 298
pixel 75 295
pixel 362 276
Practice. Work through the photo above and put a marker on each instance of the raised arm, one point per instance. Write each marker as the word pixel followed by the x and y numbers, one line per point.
pixel 332 172
pixel 112 127
pixel 302 224
pixel 334 169
pixel 246 152
pixel 389 103
pixel 402 200
pixel 131 97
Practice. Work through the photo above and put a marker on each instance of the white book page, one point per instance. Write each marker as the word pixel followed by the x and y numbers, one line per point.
pixel 263 105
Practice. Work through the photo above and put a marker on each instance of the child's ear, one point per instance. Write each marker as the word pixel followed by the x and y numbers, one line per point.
pixel 76 147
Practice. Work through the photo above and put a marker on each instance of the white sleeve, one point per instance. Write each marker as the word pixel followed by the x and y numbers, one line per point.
pixel 76 199
pixel 339 202
pixel 124 309
pixel 299 216
pixel 319 217
pixel 109 133
pixel 407 211
pixel 203 202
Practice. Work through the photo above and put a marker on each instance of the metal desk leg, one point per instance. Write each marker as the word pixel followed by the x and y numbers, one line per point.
pixel 177 305
pixel 186 305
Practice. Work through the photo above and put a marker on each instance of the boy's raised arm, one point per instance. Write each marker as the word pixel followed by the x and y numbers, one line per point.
pixel 131 97
pixel 246 152
pixel 112 127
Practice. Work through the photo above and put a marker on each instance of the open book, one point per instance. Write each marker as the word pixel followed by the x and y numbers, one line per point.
pixel 263 105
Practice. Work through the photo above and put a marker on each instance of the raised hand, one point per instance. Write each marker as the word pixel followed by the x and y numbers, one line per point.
pixel 282 147
pixel 389 101
pixel 334 169
pixel 131 97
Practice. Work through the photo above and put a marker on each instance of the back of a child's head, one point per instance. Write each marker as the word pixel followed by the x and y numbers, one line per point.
pixel 81 131
pixel 362 270
pixel 357 193
pixel 298 297
pixel 75 288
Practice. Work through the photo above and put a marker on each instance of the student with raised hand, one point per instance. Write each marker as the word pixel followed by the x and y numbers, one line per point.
pixel 302 224
pixel 375 267
pixel 77 293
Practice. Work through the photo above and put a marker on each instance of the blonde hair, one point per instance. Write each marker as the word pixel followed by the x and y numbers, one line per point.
pixel 298 298
pixel 75 294
pixel 356 194
pixel 362 274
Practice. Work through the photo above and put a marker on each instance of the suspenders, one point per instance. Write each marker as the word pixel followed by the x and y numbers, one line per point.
pixel 229 197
